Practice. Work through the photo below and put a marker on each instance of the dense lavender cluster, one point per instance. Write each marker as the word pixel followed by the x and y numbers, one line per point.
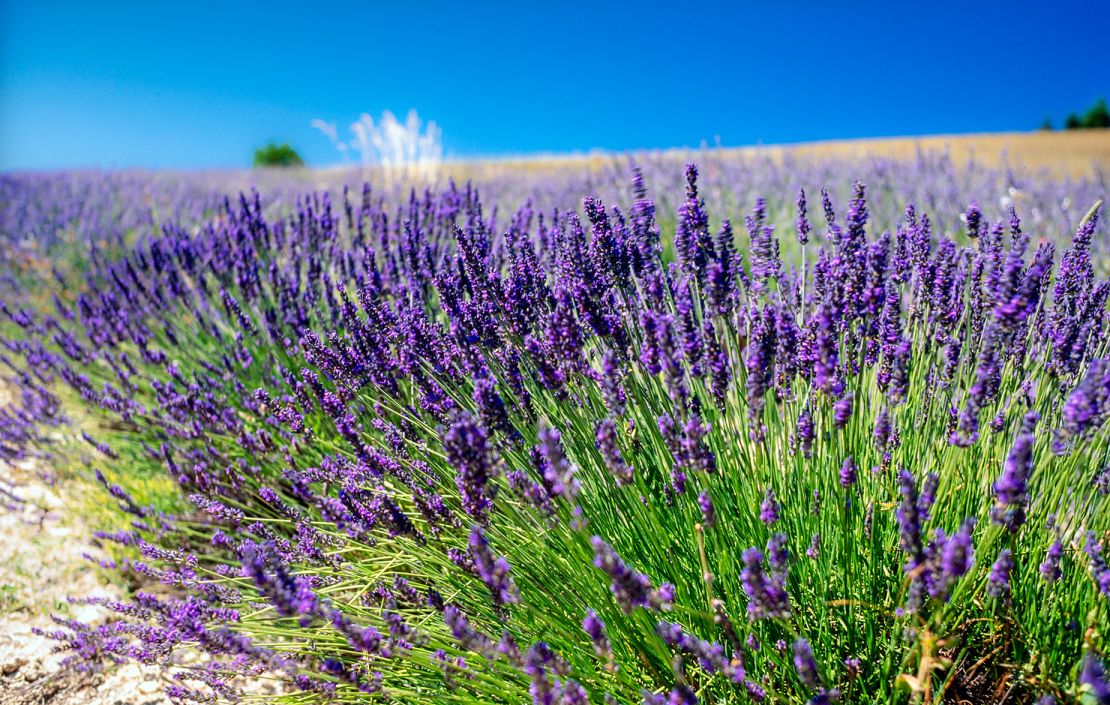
pixel 440 446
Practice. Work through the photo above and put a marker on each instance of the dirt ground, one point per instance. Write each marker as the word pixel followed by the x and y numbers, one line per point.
pixel 41 564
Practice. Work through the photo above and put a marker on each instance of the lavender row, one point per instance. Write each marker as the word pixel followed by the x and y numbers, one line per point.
pixel 435 453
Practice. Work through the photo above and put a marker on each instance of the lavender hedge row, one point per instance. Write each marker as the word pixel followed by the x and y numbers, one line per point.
pixel 437 454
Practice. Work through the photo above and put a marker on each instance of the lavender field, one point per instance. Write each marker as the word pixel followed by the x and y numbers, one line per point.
pixel 659 428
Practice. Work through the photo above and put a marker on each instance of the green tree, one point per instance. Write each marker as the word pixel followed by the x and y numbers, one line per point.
pixel 281 155
pixel 1098 115
pixel 1073 122
pixel 1046 126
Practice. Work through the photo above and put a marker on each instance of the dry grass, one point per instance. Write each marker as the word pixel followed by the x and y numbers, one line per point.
pixel 1064 153
pixel 1070 153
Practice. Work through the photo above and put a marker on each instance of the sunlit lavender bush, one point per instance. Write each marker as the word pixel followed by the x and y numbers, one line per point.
pixel 834 449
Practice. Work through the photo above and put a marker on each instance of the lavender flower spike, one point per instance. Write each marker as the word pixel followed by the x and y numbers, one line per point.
pixel 493 571
pixel 631 589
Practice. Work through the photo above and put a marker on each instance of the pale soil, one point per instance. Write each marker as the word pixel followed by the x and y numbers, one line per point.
pixel 41 564
pixel 43 542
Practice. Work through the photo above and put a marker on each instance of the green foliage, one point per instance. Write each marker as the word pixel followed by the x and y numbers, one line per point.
pixel 1096 117
pixel 279 155
pixel 841 594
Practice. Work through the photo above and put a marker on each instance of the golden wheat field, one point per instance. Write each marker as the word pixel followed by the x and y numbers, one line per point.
pixel 1073 153
pixel 1066 153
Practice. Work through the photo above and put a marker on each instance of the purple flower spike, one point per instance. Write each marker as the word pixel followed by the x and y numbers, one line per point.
pixel 842 410
pixel 631 589
pixel 802 222
pixel 767 597
pixel 1010 490
pixel 467 449
pixel 806 665
pixel 1094 679
pixel 1050 568
pixel 769 510
pixel 708 514
pixel 595 629
pixel 848 472
pixel 493 571
pixel 1100 571
pixel 606 438
pixel 998 582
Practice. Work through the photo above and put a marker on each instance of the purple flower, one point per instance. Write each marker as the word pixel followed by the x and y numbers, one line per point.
pixel 842 410
pixel 692 241
pixel 1050 568
pixel 291 596
pixel 760 364
pixel 558 472
pixel 466 446
pixel 679 695
pixel 827 207
pixel 491 408
pixel 769 509
pixel 778 555
pixel 973 217
pixel 574 693
pixel 956 558
pixel 1102 481
pixel 998 582
pixel 708 515
pixel 468 638
pixel 928 495
pixel 805 432
pixel 606 438
pixel 802 222
pixel 631 589
pixel 848 472
pixel 721 284
pixel 767 597
pixel 710 655
pixel 814 549
pixel 1094 679
pixel 611 388
pixel 720 367
pixel 539 663
pixel 852 668
pixel 756 693
pixel 764 247
pixel 909 518
pixel 806 665
pixel 1088 405
pixel 883 430
pixel 1100 571
pixel 696 454
pixel 595 629
pixel 824 352
pixel 494 572
pixel 1010 491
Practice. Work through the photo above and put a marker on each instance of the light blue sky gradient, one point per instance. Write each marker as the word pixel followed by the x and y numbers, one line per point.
pixel 201 84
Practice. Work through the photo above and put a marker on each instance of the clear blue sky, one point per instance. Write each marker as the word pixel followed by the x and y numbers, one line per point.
pixel 201 84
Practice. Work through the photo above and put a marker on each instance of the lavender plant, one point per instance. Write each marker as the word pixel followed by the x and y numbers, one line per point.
pixel 432 455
